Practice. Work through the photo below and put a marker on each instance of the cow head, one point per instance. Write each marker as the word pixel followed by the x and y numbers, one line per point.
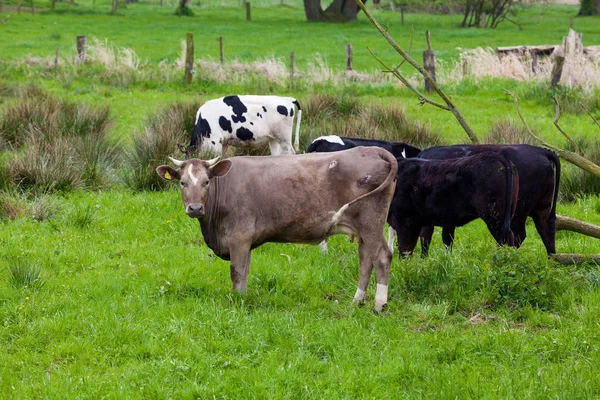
pixel 194 176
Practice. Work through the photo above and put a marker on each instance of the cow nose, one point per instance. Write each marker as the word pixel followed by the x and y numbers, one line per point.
pixel 195 210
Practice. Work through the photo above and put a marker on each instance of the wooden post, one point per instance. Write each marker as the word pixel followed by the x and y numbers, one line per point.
pixel 52 4
pixel 465 68
pixel 291 71
pixel 114 6
pixel 32 9
pixel 56 59
pixel 348 57
pixel 429 63
pixel 81 48
pixel 392 6
pixel 402 14
pixel 189 58
pixel 559 61
pixel 483 20
pixel 534 60
pixel 221 58
pixel 248 18
pixel 162 3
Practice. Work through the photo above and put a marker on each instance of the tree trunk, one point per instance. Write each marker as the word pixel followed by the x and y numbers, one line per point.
pixel 575 258
pixel 564 223
pixel 313 10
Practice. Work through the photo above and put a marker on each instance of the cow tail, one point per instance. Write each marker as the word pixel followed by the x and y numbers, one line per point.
pixel 552 217
pixel 298 118
pixel 391 177
pixel 512 193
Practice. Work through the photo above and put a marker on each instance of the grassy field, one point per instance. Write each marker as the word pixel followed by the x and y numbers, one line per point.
pixel 111 293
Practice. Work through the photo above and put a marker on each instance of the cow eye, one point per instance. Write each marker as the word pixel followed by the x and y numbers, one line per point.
pixel 183 184
pixel 206 183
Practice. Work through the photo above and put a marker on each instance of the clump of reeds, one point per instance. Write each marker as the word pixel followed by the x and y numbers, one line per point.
pixel 575 182
pixel 508 132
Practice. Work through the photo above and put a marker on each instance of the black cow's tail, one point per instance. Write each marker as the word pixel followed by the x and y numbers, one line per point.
pixel 552 217
pixel 512 194
pixel 298 118
pixel 390 178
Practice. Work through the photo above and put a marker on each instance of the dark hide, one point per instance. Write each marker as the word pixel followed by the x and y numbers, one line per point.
pixel 451 193
pixel 539 178
pixel 396 148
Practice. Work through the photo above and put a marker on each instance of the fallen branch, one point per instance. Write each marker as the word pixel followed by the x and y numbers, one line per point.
pixel 564 223
pixel 575 258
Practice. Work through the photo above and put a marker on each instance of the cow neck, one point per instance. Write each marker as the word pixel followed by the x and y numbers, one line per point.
pixel 210 222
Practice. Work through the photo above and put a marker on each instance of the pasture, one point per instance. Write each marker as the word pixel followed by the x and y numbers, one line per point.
pixel 107 290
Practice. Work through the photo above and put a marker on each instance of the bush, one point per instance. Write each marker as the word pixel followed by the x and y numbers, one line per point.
pixel 151 147
pixel 62 145
pixel 576 182
pixel 507 132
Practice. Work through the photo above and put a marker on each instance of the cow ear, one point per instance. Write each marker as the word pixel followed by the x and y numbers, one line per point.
pixel 167 173
pixel 220 169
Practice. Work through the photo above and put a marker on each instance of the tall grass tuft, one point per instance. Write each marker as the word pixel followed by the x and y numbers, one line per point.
pixel 62 145
pixel 328 114
pixel 23 273
pixel 508 132
pixel 159 139
pixel 576 182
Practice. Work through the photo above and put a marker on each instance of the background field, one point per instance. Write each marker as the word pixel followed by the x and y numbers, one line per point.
pixel 111 293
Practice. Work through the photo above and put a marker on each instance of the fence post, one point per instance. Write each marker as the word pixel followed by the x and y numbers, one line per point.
pixel 429 63
pixel 221 58
pixel 56 59
pixel 32 9
pixel 189 58
pixel 114 6
pixel 81 48
pixel 483 25
pixel 402 14
pixel 348 57
pixel 291 71
pixel 248 11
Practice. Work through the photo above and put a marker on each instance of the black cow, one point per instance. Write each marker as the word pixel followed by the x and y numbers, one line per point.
pixel 330 143
pixel 539 178
pixel 451 193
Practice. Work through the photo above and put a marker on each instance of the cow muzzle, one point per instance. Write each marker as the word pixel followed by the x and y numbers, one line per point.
pixel 195 210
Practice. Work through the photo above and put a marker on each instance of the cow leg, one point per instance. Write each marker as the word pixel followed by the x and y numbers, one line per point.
pixel 323 246
pixel 546 227
pixel 391 237
pixel 239 268
pixel 448 237
pixel 286 148
pixel 275 147
pixel 517 226
pixel 426 235
pixel 366 267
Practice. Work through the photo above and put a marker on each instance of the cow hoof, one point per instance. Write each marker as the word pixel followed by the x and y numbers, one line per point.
pixel 379 308
pixel 358 302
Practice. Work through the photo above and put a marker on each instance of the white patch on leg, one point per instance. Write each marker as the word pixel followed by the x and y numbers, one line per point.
pixel 194 179
pixel 381 297
pixel 323 246
pixel 391 237
pixel 330 139
pixel 359 297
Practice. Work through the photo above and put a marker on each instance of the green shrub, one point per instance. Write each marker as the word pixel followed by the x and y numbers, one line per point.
pixel 159 139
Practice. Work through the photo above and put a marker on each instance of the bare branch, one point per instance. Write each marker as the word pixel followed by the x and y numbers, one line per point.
pixel 565 134
pixel 450 105
pixel 566 155
pixel 590 114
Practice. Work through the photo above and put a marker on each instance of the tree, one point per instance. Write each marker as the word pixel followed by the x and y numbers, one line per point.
pixel 495 11
pixel 589 7
pixel 338 11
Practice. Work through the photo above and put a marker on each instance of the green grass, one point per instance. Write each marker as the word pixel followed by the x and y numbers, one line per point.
pixel 139 309
pixel 113 294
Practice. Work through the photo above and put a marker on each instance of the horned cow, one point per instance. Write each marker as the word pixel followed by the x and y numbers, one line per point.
pixel 246 121
pixel 244 202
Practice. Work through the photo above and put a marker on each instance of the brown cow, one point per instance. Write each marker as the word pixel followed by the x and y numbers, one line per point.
pixel 244 202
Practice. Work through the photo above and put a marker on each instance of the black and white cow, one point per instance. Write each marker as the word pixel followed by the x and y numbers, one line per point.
pixel 329 143
pixel 250 121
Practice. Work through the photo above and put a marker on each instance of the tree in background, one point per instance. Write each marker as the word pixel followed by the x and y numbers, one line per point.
pixel 589 7
pixel 495 12
pixel 338 11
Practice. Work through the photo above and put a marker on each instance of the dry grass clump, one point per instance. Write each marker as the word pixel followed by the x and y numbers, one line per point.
pixel 578 71
pixel 15 204
pixel 111 56
pixel 508 132
pixel 61 145
pixel 159 139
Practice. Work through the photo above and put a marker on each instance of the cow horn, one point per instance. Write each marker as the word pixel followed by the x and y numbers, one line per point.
pixel 176 162
pixel 213 161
